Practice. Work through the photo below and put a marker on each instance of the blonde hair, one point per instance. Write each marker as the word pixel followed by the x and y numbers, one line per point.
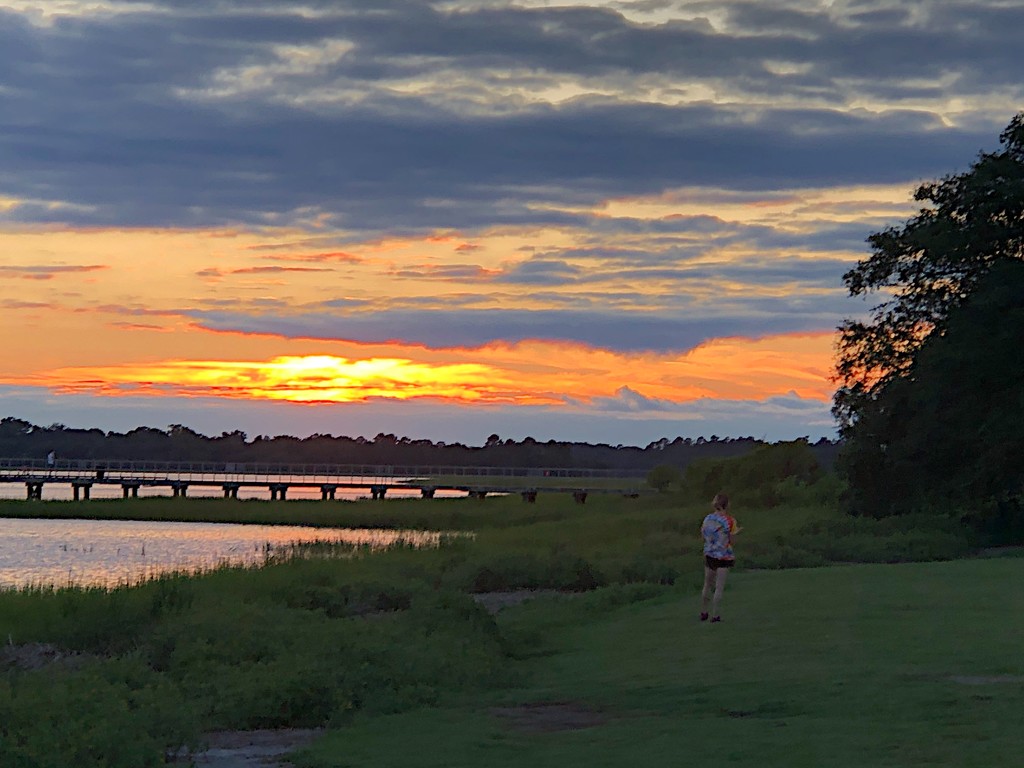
pixel 720 502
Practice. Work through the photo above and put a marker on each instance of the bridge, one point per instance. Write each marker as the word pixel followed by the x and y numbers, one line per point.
pixel 177 477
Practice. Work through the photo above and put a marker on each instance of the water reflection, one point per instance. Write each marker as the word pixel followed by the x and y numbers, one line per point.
pixel 108 553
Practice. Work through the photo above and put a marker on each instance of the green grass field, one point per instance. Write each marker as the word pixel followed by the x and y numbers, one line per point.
pixel 908 658
pixel 868 665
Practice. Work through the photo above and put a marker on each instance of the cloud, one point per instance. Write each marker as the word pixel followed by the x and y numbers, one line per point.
pixel 784 418
pixel 357 118
pixel 339 256
pixel 14 304
pixel 798 409
pixel 43 272
pixel 275 269
pixel 439 328
pixel 627 176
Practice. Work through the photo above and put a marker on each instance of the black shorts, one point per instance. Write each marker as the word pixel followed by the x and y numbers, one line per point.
pixel 715 563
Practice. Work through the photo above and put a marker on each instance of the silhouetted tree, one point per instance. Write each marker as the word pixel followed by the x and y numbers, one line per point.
pixel 930 399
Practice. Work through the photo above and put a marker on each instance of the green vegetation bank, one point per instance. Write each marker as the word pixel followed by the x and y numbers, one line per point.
pixel 402 641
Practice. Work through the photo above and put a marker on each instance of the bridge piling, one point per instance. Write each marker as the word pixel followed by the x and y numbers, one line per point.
pixel 77 476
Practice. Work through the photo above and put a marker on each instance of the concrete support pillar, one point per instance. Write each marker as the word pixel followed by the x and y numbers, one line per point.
pixel 129 489
pixel 478 494
pixel 378 491
pixel 427 492
pixel 230 490
pixel 82 488
pixel 278 491
pixel 327 491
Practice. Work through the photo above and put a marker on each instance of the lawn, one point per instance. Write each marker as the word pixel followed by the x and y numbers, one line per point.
pixel 868 665
pixel 902 660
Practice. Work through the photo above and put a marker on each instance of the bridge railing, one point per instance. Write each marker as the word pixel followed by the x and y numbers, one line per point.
pixel 143 468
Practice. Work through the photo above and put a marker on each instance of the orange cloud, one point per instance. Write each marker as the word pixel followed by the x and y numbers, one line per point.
pixel 43 272
pixel 327 256
pixel 528 373
pixel 308 379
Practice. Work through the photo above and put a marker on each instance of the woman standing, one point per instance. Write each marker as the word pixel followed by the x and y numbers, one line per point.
pixel 717 530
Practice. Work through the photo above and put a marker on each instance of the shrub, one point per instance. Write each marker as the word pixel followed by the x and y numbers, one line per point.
pixel 643 568
pixel 111 713
pixel 663 477
pixel 559 570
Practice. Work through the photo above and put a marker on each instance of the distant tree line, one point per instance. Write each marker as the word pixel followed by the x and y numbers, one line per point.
pixel 19 438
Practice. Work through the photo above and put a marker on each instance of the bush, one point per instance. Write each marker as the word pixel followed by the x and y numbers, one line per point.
pixel 113 713
pixel 767 477
pixel 663 477
pixel 643 568
pixel 560 570
pixel 904 538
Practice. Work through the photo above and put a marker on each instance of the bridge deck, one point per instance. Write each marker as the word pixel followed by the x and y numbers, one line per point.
pixel 82 474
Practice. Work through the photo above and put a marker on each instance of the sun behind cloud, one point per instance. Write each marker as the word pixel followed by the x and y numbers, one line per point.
pixel 299 379
pixel 527 373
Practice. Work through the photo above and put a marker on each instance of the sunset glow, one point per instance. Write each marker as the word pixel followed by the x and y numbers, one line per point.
pixel 614 222
pixel 532 373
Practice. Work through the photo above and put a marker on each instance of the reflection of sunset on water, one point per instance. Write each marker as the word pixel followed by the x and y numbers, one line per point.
pixel 109 553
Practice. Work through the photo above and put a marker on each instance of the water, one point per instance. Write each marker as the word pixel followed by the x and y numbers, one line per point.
pixel 111 552
pixel 59 491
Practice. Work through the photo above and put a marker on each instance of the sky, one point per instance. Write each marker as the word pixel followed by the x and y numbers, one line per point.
pixel 606 222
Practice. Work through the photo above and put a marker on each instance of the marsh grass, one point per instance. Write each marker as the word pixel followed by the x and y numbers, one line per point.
pixel 362 640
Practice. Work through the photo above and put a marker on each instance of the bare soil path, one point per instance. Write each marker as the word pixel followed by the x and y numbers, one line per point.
pixel 249 749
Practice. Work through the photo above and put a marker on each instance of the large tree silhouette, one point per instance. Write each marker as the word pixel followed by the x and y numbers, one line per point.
pixel 932 386
pixel 927 267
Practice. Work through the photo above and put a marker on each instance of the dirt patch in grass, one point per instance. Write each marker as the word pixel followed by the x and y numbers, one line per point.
pixel 495 601
pixel 249 749
pixel 986 679
pixel 549 717
pixel 35 656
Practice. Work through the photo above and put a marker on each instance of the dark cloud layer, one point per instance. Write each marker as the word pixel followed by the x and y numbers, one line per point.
pixel 188 117
pixel 628 331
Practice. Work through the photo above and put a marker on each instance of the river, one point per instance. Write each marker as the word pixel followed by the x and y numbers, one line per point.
pixel 62 491
pixel 108 553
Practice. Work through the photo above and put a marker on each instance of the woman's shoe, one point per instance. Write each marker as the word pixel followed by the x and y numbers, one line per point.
pixel 715 618
pixel 703 617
